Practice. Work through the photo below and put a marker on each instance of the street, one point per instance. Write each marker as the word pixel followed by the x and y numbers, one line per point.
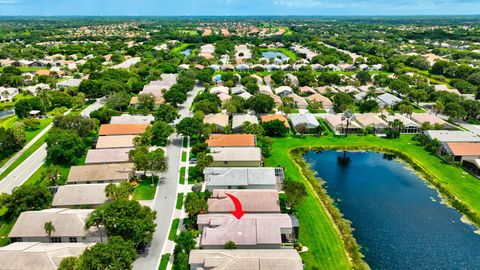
pixel 165 197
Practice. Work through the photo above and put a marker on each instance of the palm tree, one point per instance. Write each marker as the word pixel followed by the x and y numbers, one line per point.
pixel 49 228
pixel 347 116
pixel 96 219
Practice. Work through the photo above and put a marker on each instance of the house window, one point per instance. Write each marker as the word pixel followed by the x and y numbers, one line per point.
pixel 56 240
pixel 225 162
pixel 16 239
pixel 72 239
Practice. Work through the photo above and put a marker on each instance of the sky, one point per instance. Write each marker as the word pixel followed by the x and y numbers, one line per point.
pixel 237 7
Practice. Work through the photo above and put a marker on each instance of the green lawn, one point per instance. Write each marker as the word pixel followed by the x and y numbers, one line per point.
pixel 326 248
pixel 188 32
pixel 26 69
pixel 181 47
pixel 182 176
pixel 184 142
pixel 164 261
pixel 184 156
pixel 173 229
pixel 179 201
pixel 4 231
pixel 145 190
pixel 7 122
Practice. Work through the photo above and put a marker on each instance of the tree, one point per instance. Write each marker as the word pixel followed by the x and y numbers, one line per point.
pixel 195 204
pixel 368 105
pixel 25 198
pixel 190 127
pixel 250 128
pixel 140 157
pixel 24 106
pixel 118 101
pixel 342 102
pixel 81 125
pixel 160 132
pixel 455 111
pixel 116 254
pixel 158 162
pixel 97 219
pixel 119 192
pixel 104 115
pixel 203 160
pixel 295 191
pixel 91 88
pixel 146 101
pixel 68 263
pixel 230 245
pixel 275 128
pixel 52 174
pixel 63 146
pixel 405 108
pixel 363 77
pixel 128 219
pixel 166 113
pixel 175 97
pixel 348 117
pixel 49 228
pixel 438 107
pixel 260 103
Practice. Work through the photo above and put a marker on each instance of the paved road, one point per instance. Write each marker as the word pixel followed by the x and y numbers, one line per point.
pixel 23 171
pixel 165 198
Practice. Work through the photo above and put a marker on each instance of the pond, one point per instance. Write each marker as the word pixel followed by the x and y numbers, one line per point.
pixel 274 54
pixel 186 52
pixel 399 221
pixel 6 112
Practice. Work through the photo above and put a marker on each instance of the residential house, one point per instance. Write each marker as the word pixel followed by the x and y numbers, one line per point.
pixel 127 63
pixel 291 79
pixel 271 117
pixel 409 126
pixel 100 173
pixel 255 259
pixel 253 231
pixel 122 129
pixel 461 151
pixel 371 120
pixel 239 119
pixel 339 125
pixel 231 140
pixel 80 196
pixel 7 93
pixel 132 119
pixel 307 90
pixel 110 155
pixel 283 91
pixel 120 141
pixel 325 102
pixel 220 120
pixel 307 119
pixel 300 102
pixel 69 227
pixel 388 100
pixel 69 83
pixel 432 120
pixel 452 136
pixel 38 256
pixel 253 201
pixel 243 178
pixel 236 157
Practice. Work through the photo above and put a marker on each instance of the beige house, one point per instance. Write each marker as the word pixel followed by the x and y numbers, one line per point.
pixel 120 141
pixel 38 256
pixel 220 120
pixel 100 173
pixel 69 227
pixel 327 104
pixel 253 201
pixel 236 157
pixel 256 259
pixel 80 196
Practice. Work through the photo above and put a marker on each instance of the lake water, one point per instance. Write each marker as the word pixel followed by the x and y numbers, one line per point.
pixel 186 52
pixel 274 54
pixel 398 220
pixel 7 112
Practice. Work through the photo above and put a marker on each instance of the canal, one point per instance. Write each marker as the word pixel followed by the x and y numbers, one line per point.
pixel 399 221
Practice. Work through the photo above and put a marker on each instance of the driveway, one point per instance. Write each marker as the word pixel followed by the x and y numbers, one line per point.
pixel 165 197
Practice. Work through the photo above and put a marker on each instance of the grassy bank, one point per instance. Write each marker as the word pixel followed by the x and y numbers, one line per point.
pixel 459 188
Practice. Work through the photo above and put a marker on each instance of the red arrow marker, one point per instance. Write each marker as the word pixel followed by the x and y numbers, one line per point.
pixel 238 213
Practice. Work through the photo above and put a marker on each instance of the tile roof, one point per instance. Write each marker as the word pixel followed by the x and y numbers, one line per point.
pixel 463 148
pixel 216 176
pixel 122 129
pixel 253 200
pixel 271 117
pixel 109 155
pixel 236 154
pixel 132 119
pixel 231 140
pixel 78 195
pixel 38 256
pixel 120 141
pixel 250 230
pixel 67 222
pixel 251 259
pixel 100 172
